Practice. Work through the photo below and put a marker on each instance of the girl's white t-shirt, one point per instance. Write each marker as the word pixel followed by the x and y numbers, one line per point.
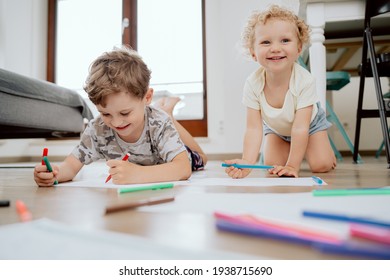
pixel 301 94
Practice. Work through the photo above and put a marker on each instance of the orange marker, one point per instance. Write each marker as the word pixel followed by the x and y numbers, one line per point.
pixel 23 212
pixel 44 154
pixel 124 159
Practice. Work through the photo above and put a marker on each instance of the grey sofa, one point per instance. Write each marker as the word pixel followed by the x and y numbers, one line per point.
pixel 32 108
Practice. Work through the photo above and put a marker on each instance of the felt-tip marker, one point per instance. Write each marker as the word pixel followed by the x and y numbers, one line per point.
pixel 44 154
pixel 318 180
pixel 147 187
pixel 23 212
pixel 242 166
pixel 49 168
pixel 4 203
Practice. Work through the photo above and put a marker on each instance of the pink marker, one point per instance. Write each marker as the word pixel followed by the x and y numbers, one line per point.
pixel 373 233
pixel 308 233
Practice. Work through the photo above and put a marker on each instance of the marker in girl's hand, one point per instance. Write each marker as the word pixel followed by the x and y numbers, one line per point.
pixel 242 166
pixel 126 157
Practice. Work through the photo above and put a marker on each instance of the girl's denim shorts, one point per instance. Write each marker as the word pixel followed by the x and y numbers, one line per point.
pixel 318 124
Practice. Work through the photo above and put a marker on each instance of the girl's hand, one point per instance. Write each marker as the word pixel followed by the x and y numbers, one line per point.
pixel 43 178
pixel 234 172
pixel 287 171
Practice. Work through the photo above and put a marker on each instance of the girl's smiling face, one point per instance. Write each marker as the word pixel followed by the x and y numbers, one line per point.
pixel 125 114
pixel 276 46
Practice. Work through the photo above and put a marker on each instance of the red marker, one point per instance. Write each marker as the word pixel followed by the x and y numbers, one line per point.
pixel 124 159
pixel 44 154
pixel 23 212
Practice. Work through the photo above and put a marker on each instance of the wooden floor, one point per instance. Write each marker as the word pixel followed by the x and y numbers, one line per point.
pixel 85 207
pixel 372 172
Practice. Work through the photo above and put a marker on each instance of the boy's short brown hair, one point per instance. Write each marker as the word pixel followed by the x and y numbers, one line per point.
pixel 120 70
pixel 273 12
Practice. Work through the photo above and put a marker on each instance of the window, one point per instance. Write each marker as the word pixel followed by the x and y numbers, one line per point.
pixel 168 34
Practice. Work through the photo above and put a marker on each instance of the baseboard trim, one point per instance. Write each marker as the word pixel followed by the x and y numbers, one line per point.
pixel 29 159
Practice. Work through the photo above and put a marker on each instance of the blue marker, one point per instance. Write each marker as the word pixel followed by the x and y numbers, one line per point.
pixel 318 180
pixel 345 218
pixel 242 166
pixel 354 249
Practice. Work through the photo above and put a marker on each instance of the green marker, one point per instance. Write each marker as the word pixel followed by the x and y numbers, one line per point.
pixel 48 165
pixel 342 192
pixel 146 188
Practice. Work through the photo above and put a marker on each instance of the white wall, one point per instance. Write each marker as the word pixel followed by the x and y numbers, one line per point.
pixel 23 31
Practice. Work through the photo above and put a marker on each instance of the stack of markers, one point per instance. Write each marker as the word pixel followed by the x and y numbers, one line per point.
pixel 373 242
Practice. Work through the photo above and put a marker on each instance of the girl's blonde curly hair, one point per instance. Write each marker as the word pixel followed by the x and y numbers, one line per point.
pixel 274 12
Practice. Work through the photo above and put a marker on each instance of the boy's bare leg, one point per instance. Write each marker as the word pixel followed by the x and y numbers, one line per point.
pixel 167 104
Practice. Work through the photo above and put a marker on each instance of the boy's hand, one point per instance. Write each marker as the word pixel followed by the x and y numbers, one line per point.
pixel 122 172
pixel 234 172
pixel 43 178
pixel 287 171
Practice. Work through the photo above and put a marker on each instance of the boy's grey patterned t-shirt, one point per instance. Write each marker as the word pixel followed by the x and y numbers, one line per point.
pixel 159 143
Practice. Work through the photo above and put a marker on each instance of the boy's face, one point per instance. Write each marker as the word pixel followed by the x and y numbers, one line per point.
pixel 125 114
pixel 276 46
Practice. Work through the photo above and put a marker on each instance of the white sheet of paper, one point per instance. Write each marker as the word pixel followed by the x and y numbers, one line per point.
pixel 98 183
pixel 94 176
pixel 245 182
pixel 45 239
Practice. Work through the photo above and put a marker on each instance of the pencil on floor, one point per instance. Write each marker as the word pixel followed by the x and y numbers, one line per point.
pixel 135 204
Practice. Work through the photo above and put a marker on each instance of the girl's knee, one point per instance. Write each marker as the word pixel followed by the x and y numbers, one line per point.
pixel 323 166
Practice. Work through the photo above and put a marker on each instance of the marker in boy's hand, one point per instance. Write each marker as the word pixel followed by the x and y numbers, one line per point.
pixel 44 154
pixel 49 168
pixel 44 173
pixel 125 158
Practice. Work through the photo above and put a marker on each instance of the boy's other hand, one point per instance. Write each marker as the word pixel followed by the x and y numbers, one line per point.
pixel 122 172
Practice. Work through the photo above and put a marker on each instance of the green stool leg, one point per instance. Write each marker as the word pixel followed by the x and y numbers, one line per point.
pixel 339 157
pixel 332 117
pixel 378 152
